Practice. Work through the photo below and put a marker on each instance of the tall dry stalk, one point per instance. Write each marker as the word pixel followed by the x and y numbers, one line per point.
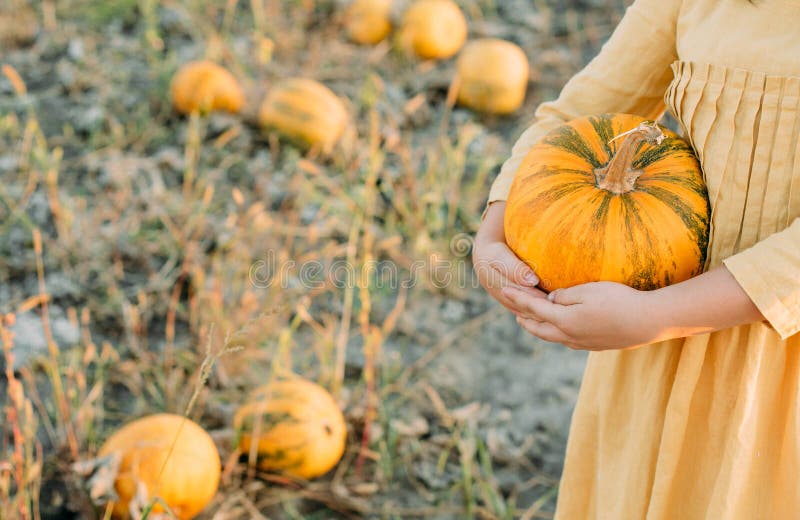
pixel 203 373
pixel 20 472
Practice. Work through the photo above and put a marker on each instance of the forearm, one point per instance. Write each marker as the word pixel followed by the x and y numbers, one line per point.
pixel 707 303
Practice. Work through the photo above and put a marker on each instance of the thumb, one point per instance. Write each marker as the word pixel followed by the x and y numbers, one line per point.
pixel 566 296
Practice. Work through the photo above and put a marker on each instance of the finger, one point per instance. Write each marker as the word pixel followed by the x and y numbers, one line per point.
pixel 513 307
pixel 539 309
pixel 544 330
pixel 508 266
pixel 567 296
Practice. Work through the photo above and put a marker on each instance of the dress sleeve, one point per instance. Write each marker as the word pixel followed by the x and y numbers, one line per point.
pixel 769 272
pixel 630 75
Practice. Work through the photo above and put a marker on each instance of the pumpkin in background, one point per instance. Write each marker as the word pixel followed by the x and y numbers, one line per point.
pixel 296 426
pixel 433 29
pixel 368 21
pixel 492 75
pixel 306 111
pixel 205 86
pixel 609 198
pixel 190 477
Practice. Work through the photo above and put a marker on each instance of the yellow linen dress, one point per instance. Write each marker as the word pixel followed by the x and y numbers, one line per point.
pixel 706 427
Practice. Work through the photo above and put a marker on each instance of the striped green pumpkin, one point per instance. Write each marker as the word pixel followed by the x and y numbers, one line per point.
pixel 609 198
pixel 294 426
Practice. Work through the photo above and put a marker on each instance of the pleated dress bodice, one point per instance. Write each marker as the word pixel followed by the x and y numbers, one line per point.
pixel 745 128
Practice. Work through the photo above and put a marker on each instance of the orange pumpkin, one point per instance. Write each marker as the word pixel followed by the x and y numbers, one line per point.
pixel 296 426
pixel 368 21
pixel 493 76
pixel 305 111
pixel 610 197
pixel 205 86
pixel 433 29
pixel 190 476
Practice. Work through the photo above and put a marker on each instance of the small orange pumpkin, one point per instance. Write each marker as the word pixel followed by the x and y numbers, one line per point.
pixel 609 198
pixel 368 21
pixel 433 29
pixel 493 76
pixel 296 426
pixel 306 111
pixel 205 86
pixel 190 473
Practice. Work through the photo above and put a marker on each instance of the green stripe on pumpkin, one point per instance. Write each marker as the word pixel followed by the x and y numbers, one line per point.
pixel 669 148
pixel 642 265
pixel 569 139
pixel 596 241
pixel 604 127
pixel 550 195
pixel 696 223
pixel 686 179
pixel 286 108
pixel 549 172
pixel 268 420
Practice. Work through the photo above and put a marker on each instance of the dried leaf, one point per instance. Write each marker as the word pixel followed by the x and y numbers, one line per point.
pixel 100 474
pixel 471 412
pixel 365 488
pixel 416 427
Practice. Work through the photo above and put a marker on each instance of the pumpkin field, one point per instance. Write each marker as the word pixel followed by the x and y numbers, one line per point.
pixel 235 274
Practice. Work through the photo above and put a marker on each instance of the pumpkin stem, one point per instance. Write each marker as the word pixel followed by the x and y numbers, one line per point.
pixel 619 176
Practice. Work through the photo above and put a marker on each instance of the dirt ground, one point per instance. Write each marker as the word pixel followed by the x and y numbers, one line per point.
pixel 150 223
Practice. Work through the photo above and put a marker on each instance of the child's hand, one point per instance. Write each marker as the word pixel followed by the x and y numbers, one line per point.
pixel 592 316
pixel 606 315
pixel 497 266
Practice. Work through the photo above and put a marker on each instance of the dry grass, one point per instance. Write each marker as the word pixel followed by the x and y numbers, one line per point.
pixel 158 225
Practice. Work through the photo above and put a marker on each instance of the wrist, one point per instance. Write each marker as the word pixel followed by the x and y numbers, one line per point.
pixel 663 314
pixel 675 313
pixel 706 303
pixel 491 228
